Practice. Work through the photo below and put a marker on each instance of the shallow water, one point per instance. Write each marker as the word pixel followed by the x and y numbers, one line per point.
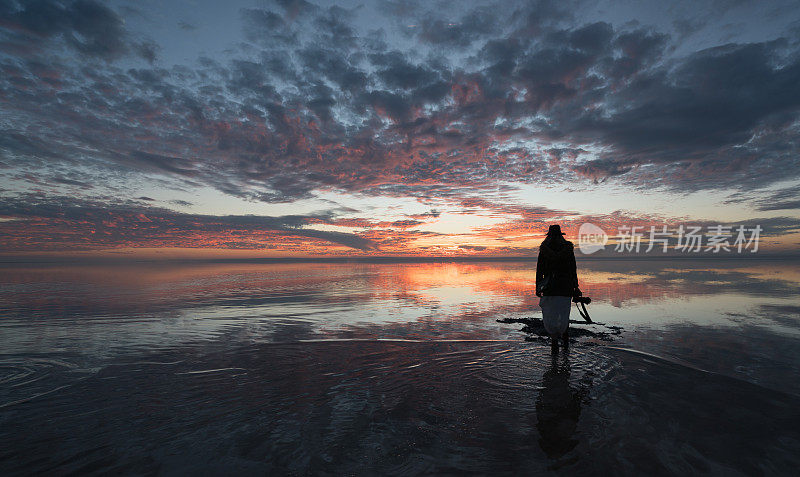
pixel 396 369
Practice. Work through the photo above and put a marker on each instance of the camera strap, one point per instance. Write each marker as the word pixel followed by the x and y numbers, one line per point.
pixel 583 312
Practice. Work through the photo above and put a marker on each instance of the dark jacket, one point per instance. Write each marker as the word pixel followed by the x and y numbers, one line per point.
pixel 556 270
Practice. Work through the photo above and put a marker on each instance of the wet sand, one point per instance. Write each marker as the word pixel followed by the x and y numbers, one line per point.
pixel 396 369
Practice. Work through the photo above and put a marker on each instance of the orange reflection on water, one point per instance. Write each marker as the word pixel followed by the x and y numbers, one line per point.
pixel 464 289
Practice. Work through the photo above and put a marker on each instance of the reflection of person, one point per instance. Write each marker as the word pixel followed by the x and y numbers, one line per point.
pixel 556 283
pixel 558 408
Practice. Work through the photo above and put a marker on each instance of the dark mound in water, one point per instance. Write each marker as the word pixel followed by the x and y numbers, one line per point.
pixel 534 327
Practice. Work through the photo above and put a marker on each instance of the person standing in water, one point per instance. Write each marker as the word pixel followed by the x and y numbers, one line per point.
pixel 556 283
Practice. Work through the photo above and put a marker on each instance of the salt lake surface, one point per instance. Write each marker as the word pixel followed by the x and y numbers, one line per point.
pixel 396 368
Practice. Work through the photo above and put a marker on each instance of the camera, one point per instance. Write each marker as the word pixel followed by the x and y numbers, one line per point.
pixel 582 299
pixel 580 303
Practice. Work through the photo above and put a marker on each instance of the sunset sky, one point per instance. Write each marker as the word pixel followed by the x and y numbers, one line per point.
pixel 290 128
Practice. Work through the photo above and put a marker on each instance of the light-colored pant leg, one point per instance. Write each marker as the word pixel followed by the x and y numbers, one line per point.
pixel 555 313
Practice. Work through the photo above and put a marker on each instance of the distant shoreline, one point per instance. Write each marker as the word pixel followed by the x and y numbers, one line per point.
pixel 23 260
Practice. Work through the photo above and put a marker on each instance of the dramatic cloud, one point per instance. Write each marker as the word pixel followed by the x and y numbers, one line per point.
pixel 783 199
pixel 61 223
pixel 86 26
pixel 394 100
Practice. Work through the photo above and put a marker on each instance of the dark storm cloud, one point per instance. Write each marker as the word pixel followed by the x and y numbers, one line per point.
pixel 86 26
pixel 771 226
pixel 709 115
pixel 784 205
pixel 176 165
pixel 333 65
pixel 333 27
pixel 473 26
pixel 781 199
pixel 602 169
pixel 294 8
pixel 72 182
pixel 397 72
pixel 58 222
pixel 263 25
pixel 712 100
pixel 147 50
pixel 481 96
pixel 17 143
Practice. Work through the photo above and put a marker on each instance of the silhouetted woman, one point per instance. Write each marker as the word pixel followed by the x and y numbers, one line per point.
pixel 556 283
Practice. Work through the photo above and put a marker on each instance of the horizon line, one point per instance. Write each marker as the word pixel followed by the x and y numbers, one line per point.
pixel 38 259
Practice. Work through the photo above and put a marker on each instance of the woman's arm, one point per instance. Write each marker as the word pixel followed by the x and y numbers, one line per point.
pixel 539 272
pixel 574 272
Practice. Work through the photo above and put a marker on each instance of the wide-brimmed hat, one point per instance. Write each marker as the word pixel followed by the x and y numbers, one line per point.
pixel 555 230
